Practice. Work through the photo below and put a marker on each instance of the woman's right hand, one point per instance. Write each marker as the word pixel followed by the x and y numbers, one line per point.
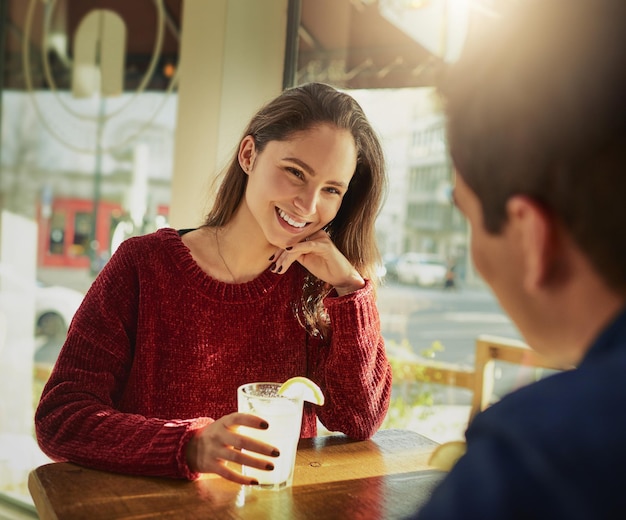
pixel 219 442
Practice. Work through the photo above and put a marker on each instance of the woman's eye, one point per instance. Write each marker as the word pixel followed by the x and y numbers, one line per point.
pixel 295 172
pixel 334 191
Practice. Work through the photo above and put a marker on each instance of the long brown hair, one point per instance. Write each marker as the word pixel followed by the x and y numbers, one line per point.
pixel 353 228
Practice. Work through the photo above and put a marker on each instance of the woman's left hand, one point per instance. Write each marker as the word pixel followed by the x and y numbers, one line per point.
pixel 319 255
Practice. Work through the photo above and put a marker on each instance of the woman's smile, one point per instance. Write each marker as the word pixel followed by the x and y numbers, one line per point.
pixel 294 223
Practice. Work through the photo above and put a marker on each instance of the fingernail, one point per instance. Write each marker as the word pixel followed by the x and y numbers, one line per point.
pixel 269 467
pixel 271 258
pixel 289 248
pixel 280 268
pixel 254 482
pixel 275 453
pixel 273 266
pixel 264 425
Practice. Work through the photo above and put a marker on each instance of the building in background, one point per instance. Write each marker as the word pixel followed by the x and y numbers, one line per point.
pixel 418 216
pixel 433 224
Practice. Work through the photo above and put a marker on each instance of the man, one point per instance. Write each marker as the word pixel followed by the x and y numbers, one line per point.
pixel 537 130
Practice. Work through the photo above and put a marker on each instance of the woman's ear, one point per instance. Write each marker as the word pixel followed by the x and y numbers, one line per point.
pixel 536 231
pixel 247 153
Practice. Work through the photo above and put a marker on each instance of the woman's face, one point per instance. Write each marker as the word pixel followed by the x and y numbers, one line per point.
pixel 295 187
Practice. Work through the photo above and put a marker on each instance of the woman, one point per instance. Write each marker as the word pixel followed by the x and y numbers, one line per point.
pixel 278 282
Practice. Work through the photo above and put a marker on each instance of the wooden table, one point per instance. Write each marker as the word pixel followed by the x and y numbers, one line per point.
pixel 385 477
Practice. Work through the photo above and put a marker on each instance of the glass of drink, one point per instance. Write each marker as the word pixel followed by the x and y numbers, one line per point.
pixel 284 416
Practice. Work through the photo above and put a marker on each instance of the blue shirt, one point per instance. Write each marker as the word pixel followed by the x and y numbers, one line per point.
pixel 555 449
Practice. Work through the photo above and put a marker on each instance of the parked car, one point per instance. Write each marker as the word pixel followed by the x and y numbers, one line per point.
pixel 391 266
pixel 423 269
pixel 55 307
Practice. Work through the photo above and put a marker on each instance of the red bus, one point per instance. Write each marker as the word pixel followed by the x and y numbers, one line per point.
pixel 65 230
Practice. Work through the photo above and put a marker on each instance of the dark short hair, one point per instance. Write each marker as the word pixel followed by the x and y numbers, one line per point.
pixel 536 105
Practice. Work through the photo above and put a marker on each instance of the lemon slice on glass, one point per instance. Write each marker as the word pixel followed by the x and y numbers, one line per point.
pixel 303 388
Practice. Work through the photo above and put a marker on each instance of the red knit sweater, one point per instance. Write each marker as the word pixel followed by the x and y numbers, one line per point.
pixel 158 348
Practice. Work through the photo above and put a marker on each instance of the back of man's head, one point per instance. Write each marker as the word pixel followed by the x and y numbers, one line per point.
pixel 536 105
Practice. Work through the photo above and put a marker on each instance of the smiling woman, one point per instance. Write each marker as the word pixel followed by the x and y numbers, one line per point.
pixel 278 283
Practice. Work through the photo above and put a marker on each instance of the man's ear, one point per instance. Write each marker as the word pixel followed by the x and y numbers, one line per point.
pixel 535 229
pixel 247 153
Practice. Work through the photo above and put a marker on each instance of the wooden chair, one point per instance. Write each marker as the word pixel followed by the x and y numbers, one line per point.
pixel 490 349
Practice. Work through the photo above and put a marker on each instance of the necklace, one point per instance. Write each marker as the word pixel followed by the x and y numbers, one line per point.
pixel 219 252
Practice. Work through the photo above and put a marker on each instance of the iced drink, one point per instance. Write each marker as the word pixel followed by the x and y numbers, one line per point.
pixel 284 416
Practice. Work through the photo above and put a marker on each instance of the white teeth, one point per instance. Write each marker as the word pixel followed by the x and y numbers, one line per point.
pixel 289 220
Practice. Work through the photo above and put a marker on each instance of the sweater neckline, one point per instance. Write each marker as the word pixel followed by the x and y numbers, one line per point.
pixel 209 286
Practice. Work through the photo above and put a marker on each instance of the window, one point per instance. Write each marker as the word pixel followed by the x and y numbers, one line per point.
pixel 80 155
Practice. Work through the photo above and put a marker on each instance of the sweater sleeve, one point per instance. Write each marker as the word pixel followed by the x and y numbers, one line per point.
pixel 78 417
pixel 352 368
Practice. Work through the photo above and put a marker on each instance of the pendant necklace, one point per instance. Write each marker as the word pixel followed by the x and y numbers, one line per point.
pixel 219 252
